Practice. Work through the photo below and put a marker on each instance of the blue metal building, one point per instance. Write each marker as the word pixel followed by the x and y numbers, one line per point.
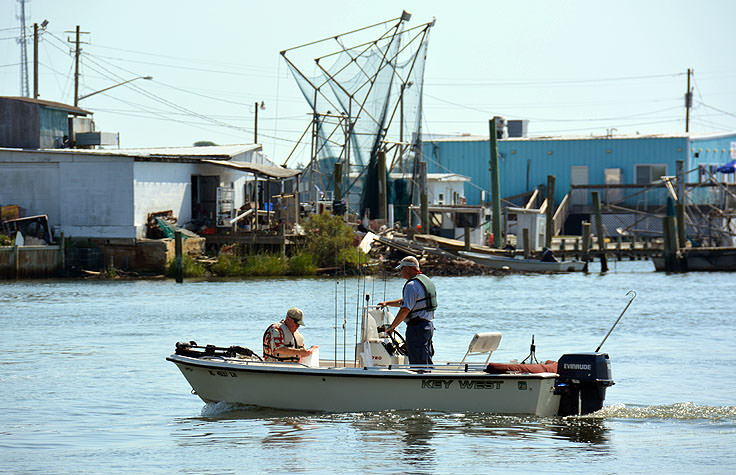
pixel 525 163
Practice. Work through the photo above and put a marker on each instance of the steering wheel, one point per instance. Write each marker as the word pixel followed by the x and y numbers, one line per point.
pixel 398 344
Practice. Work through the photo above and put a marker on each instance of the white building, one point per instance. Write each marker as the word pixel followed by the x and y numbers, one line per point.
pixel 110 193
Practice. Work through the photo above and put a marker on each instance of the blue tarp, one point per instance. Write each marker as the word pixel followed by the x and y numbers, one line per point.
pixel 730 167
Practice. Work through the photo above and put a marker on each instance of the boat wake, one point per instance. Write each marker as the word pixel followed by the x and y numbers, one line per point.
pixel 214 409
pixel 227 410
pixel 680 410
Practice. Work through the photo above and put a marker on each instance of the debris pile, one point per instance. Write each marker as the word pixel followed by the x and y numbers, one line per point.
pixel 160 224
pixel 388 251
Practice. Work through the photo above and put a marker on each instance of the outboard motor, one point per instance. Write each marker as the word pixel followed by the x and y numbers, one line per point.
pixel 582 382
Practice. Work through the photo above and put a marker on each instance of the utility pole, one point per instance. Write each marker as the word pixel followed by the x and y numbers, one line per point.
pixel 76 68
pixel 35 60
pixel 688 101
pixel 77 52
pixel 255 127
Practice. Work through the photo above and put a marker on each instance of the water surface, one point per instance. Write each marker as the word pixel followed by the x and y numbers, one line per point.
pixel 87 389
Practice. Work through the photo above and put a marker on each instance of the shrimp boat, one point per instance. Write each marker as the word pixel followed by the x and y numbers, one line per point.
pixel 380 379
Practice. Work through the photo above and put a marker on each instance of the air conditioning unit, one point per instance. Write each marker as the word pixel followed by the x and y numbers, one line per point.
pixel 97 138
pixel 517 128
pixel 81 125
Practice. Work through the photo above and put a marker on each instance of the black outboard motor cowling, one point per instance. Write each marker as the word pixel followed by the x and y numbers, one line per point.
pixel 582 382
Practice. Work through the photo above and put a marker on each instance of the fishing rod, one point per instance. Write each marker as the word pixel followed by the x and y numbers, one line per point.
pixel 619 318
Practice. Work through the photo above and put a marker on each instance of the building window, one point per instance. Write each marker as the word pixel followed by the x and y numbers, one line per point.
pixel 646 174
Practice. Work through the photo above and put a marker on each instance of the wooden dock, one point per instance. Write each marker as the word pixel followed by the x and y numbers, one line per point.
pixel 564 248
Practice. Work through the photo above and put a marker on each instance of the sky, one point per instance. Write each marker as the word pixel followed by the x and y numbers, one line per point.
pixel 571 68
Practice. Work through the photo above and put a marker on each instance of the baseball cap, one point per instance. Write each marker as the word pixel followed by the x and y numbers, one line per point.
pixel 408 261
pixel 296 315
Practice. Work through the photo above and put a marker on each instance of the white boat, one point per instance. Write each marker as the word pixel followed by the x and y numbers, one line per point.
pixel 381 379
pixel 516 264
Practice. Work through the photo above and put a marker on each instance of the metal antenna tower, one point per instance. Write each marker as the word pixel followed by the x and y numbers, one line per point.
pixel 24 90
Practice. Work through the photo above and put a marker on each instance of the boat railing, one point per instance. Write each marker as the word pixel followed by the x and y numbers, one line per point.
pixel 447 367
pixel 416 368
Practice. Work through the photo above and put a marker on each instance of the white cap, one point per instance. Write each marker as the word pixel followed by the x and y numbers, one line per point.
pixel 408 261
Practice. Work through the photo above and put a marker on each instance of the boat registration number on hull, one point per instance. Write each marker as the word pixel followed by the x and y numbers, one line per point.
pixel 461 384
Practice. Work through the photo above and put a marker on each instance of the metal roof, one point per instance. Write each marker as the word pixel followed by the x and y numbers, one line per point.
pixel 221 155
pixel 257 168
pixel 222 152
pixel 49 104
pixel 215 152
pixel 484 138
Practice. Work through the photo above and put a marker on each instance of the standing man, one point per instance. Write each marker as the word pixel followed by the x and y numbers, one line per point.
pixel 419 299
pixel 283 342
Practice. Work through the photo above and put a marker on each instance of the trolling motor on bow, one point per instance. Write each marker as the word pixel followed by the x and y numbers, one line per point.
pixel 584 377
pixel 191 349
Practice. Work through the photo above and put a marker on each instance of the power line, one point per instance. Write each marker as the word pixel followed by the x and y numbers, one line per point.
pixel 552 82
pixel 187 60
pixel 186 68
pixel 717 109
pixel 181 108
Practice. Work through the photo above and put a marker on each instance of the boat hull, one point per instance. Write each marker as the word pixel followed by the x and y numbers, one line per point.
pixel 702 260
pixel 295 387
pixel 522 265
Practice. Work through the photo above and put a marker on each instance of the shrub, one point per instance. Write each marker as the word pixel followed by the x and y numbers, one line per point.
pixel 190 268
pixel 302 263
pixel 264 264
pixel 5 240
pixel 330 241
pixel 227 265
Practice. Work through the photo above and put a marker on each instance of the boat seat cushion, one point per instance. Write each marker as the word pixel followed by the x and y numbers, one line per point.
pixel 548 366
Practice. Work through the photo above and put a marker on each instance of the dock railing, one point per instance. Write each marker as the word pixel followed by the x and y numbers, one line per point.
pixel 558 220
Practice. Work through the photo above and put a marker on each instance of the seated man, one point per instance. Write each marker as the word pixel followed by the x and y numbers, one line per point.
pixel 283 342
pixel 547 255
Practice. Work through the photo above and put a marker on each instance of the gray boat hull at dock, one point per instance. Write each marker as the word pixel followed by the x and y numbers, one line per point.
pixel 522 265
pixel 702 259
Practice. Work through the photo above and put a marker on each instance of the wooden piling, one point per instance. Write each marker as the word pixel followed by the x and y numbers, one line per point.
pixel 586 241
pixel 382 188
pixel 423 203
pixel 16 259
pixel 178 259
pixel 495 186
pixel 599 230
pixel 527 251
pixel 62 254
pixel 669 231
pixel 681 235
pixel 337 180
pixel 550 211
pixel 632 248
pixel 282 235
pixel 467 237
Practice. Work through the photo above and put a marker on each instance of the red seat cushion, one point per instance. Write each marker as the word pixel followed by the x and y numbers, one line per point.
pixel 548 366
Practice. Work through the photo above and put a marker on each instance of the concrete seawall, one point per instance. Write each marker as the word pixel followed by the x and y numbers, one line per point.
pixel 144 255
pixel 30 261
